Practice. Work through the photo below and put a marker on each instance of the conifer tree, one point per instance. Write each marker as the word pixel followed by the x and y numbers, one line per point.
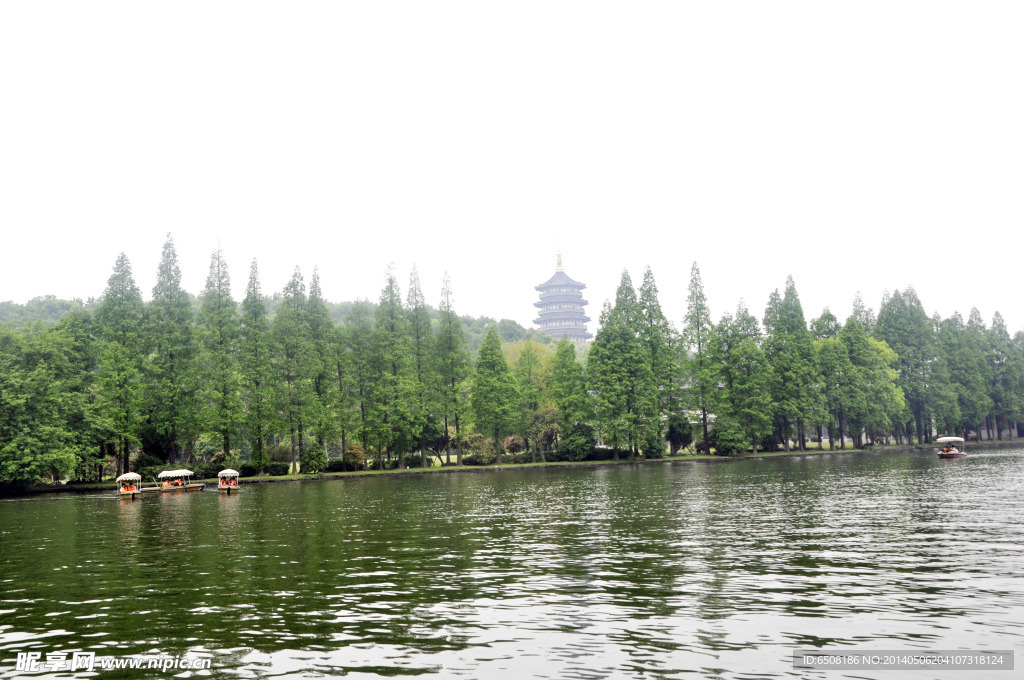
pixel 392 426
pixel 294 365
pixel 495 399
pixel 661 348
pixel 421 342
pixel 119 320
pixel 789 348
pixel 452 368
pixel 218 333
pixel 323 373
pixel 255 370
pixel 171 379
pixel 699 342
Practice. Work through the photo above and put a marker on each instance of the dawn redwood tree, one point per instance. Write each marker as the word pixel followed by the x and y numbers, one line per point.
pixel 749 398
pixel 118 323
pixel 294 365
pixel 530 380
pixel 903 324
pixel 567 387
pixel 218 335
pixel 789 348
pixel 661 348
pixel 357 337
pixel 171 380
pixel 619 379
pixel 880 400
pixel 421 343
pixel 323 373
pixel 255 370
pixel 452 368
pixel 495 397
pixel 393 428
pixel 699 341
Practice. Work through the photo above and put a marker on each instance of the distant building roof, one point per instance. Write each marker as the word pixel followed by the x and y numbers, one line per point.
pixel 560 278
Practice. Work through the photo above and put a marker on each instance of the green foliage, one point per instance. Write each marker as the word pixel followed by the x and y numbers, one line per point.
pixel 702 370
pixel 278 469
pixel 218 328
pixel 578 441
pixel 727 438
pixel 495 396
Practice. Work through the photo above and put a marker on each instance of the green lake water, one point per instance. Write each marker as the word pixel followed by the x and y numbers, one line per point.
pixel 685 570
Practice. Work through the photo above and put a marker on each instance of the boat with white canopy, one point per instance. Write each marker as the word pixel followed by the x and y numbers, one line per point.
pixel 952 447
pixel 227 481
pixel 129 484
pixel 177 480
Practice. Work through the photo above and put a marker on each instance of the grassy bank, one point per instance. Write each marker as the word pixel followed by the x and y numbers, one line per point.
pixel 93 487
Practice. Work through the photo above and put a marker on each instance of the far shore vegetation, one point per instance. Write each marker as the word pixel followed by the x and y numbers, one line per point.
pixel 288 382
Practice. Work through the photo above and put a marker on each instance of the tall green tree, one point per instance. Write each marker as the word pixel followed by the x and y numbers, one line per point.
pixel 119 321
pixel 393 425
pixel 452 368
pixel 962 348
pixel 531 381
pixel 699 341
pixel 749 397
pixel 1007 378
pixel 421 342
pixel 218 325
pixel 323 373
pixel 495 397
pixel 358 339
pixel 903 324
pixel 294 362
pixel 255 370
pixel 171 379
pixel 661 345
pixel 879 400
pixel 36 438
pixel 619 376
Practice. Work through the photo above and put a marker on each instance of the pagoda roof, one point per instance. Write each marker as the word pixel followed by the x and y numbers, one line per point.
pixel 560 278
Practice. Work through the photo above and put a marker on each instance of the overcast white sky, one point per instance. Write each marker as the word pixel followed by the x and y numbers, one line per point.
pixel 857 146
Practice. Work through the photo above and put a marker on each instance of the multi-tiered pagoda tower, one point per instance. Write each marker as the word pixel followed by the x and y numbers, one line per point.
pixel 561 307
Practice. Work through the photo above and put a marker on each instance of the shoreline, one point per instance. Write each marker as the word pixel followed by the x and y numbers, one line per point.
pixel 92 487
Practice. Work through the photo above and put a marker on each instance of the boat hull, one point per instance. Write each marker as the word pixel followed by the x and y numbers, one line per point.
pixel 228 489
pixel 952 455
pixel 187 487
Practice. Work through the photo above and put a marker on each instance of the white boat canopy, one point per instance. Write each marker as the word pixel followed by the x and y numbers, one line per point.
pixel 174 473
pixel 129 477
pixel 949 440
pixel 227 472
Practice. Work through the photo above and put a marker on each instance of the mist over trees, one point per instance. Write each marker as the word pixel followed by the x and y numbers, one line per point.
pixel 291 382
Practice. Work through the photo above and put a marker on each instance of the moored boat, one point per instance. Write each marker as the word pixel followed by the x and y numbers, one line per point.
pixel 178 480
pixel 952 447
pixel 129 484
pixel 227 481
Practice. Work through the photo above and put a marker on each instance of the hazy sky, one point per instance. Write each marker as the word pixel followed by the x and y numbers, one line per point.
pixel 857 146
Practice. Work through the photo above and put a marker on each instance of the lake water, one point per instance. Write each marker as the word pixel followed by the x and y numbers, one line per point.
pixel 686 570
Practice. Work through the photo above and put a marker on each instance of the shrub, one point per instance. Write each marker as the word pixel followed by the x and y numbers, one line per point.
pixel 578 442
pixel 513 444
pixel 726 437
pixel 279 453
pixel 477 443
pixel 480 458
pixel 278 469
pixel 247 470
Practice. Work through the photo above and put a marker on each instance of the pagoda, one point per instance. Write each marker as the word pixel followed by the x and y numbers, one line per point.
pixel 561 307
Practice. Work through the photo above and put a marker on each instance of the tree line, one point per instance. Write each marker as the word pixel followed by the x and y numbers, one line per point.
pixel 120 383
